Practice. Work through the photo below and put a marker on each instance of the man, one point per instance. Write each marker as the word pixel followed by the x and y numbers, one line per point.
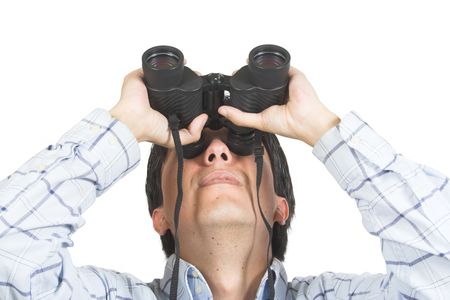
pixel 222 237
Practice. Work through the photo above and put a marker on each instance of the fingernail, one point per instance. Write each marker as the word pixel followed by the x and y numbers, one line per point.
pixel 223 111
pixel 204 120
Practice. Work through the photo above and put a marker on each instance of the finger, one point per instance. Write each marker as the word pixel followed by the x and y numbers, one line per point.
pixel 194 130
pixel 136 74
pixel 240 118
pixel 293 71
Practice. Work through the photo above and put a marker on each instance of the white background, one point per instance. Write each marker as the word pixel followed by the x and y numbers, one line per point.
pixel 387 60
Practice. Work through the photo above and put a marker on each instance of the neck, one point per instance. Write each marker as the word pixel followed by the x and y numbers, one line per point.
pixel 233 260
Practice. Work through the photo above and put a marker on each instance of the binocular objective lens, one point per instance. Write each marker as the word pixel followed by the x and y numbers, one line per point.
pixel 163 61
pixel 269 60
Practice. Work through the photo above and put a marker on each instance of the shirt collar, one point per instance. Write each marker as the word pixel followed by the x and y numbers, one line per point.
pixel 192 284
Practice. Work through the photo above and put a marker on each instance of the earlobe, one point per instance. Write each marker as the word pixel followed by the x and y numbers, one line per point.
pixel 160 223
pixel 281 211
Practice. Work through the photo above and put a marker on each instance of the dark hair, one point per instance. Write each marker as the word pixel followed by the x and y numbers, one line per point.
pixel 282 186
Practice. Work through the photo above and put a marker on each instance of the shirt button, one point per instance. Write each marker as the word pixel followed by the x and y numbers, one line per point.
pixel 195 274
pixel 112 140
pixel 198 289
pixel 40 167
pixel 356 140
pixel 95 128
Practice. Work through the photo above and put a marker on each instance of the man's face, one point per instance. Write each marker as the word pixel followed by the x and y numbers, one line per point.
pixel 219 189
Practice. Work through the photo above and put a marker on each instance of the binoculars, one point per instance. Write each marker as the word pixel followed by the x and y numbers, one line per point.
pixel 176 91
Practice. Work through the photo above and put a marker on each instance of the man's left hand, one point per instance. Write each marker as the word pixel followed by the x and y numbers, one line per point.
pixel 303 117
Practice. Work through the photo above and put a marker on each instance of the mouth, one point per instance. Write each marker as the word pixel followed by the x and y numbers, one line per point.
pixel 219 177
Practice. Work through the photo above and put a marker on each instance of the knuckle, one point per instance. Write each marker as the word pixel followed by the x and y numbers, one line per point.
pixel 127 78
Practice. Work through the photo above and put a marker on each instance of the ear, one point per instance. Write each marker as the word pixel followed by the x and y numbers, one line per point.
pixel 160 223
pixel 281 211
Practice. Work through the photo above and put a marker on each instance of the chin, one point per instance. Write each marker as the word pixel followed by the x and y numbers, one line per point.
pixel 215 222
pixel 221 207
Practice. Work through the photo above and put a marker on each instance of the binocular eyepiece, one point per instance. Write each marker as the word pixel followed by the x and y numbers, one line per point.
pixel 175 90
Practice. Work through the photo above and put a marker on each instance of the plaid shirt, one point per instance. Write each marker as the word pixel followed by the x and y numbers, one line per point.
pixel 405 204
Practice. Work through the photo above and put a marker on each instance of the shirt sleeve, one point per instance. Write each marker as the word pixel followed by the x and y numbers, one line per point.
pixel 41 205
pixel 405 204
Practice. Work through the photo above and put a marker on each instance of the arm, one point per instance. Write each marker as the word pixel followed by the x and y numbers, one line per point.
pixel 404 203
pixel 42 203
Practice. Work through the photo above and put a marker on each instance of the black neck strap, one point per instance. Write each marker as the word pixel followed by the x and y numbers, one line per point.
pixel 174 124
pixel 259 153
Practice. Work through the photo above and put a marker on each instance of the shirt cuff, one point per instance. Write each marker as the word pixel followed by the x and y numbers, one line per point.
pixel 351 143
pixel 107 140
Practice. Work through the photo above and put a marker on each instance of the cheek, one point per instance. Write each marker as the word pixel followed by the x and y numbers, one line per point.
pixel 169 182
pixel 267 190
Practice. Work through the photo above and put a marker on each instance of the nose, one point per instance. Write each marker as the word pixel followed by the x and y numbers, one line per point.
pixel 217 151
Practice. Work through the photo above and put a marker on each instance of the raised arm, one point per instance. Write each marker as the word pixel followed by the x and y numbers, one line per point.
pixel 41 205
pixel 405 204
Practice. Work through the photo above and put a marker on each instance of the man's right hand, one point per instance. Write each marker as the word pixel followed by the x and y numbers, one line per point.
pixel 147 124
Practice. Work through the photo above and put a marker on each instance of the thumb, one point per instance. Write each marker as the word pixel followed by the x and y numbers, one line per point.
pixel 240 118
pixel 194 130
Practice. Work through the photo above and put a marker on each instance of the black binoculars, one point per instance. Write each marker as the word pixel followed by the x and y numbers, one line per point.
pixel 176 91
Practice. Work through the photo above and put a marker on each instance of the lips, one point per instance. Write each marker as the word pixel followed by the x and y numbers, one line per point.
pixel 219 177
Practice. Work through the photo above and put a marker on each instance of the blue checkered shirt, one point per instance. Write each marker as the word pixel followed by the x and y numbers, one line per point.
pixel 405 204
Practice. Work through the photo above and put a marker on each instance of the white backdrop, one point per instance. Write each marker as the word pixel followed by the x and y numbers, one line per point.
pixel 387 60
